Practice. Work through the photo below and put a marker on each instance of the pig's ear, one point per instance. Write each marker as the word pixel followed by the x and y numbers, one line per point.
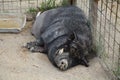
pixel 73 36
pixel 61 51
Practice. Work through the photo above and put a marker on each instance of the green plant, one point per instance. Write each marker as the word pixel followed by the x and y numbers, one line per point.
pixel 65 2
pixel 47 5
pixel 31 14
pixel 50 4
pixel 117 73
pixel 32 10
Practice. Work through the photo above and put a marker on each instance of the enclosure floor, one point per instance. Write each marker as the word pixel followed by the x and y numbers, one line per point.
pixel 17 63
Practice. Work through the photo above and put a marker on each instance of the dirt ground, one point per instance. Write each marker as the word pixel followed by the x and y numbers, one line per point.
pixel 17 63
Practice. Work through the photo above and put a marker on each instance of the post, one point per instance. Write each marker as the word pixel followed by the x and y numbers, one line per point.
pixel 119 64
pixel 3 9
pixel 93 6
pixel 72 2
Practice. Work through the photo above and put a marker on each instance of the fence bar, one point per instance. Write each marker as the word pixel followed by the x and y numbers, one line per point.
pixel 109 34
pixel 72 2
pixel 115 31
pixel 119 64
pixel 101 20
pixel 93 6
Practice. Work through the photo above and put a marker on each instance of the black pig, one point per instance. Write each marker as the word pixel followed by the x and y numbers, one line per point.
pixel 64 35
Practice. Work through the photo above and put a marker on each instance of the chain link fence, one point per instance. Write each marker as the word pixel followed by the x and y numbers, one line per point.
pixel 16 6
pixel 104 16
pixel 21 6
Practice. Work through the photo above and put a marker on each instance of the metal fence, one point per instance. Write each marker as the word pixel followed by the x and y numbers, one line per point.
pixel 16 6
pixel 104 16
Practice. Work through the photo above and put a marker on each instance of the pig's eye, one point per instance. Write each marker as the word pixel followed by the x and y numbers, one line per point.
pixel 72 50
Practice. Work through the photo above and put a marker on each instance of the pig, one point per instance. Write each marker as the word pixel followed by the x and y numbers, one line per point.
pixel 64 35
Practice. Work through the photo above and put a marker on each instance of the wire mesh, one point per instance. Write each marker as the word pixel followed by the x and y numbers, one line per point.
pixel 106 32
pixel 105 21
pixel 16 6
pixel 20 6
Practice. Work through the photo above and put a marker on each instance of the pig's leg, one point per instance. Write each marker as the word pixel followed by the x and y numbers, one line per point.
pixel 36 46
pixel 37 49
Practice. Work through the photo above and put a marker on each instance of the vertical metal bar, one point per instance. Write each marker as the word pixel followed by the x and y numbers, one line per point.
pixel 115 31
pixel 81 4
pixel 104 27
pixel 110 27
pixel 93 6
pixel 11 7
pixel 26 7
pixel 20 6
pixel 28 3
pixel 17 5
pixel 119 62
pixel 101 20
pixel 72 2
pixel 105 16
pixel 3 5
pixel 37 3
pixel 86 7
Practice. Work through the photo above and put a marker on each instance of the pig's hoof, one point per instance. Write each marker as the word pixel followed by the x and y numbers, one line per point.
pixel 37 49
